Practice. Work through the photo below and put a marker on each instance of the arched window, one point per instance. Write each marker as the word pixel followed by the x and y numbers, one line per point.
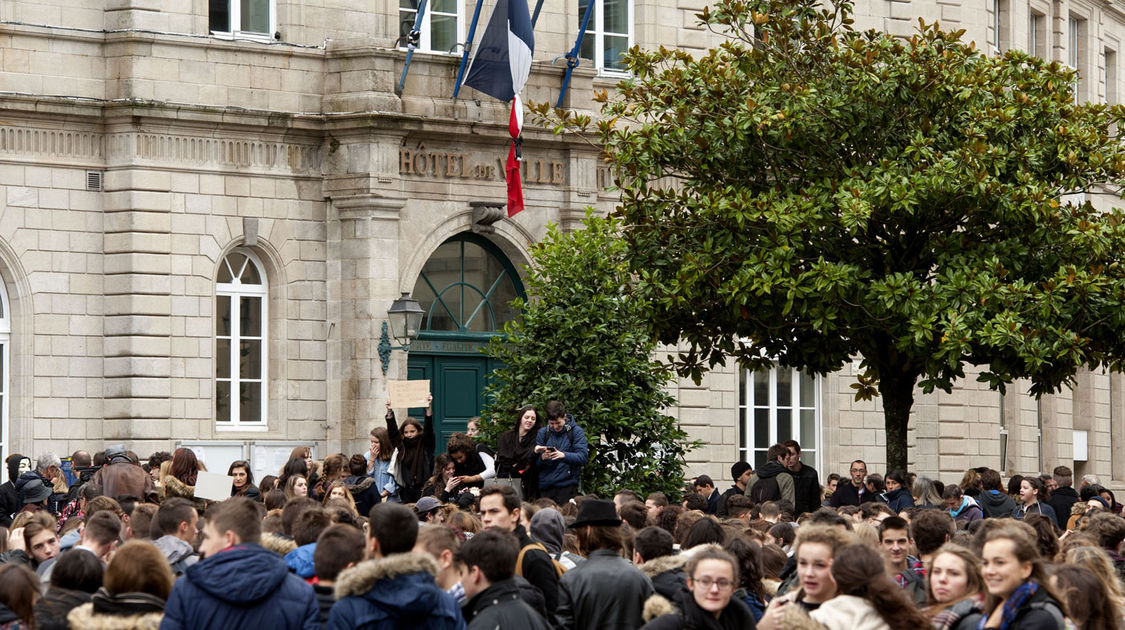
pixel 466 287
pixel 240 343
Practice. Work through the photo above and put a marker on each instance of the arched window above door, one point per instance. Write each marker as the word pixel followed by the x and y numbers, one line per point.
pixel 466 288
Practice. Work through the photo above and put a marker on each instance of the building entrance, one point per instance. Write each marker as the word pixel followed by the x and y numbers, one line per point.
pixel 465 288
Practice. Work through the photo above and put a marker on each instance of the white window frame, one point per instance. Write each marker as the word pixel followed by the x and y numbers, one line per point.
pixel 236 290
pixel 235 13
pixel 599 33
pixel 425 39
pixel 747 404
pixel 1075 26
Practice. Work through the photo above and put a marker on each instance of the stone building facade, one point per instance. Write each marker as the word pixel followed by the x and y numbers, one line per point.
pixel 207 209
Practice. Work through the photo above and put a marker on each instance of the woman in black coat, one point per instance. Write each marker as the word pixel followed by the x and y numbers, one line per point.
pixel 708 603
pixel 515 451
pixel 415 444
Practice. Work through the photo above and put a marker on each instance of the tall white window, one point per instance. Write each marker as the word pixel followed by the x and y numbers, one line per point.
pixel 1110 76
pixel 609 33
pixel 1037 34
pixel 776 405
pixel 441 26
pixel 254 18
pixel 1076 54
pixel 241 302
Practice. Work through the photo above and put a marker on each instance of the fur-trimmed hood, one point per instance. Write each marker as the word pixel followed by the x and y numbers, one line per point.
pixel 83 618
pixel 656 606
pixel 360 579
pixel 277 543
pixel 663 564
pixel 175 488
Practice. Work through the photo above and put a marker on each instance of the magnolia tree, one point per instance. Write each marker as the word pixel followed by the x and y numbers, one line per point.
pixel 583 339
pixel 807 194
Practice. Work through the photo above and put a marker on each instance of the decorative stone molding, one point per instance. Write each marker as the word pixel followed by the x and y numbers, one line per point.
pixel 52 142
pixel 485 213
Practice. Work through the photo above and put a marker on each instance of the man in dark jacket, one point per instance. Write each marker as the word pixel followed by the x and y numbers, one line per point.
pixel 741 473
pixel 772 481
pixel 806 483
pixel 562 452
pixel 500 509
pixel 339 547
pixel 993 501
pixel 394 588
pixel 10 499
pixel 606 591
pixel 705 488
pixel 239 584
pixel 48 466
pixel 489 559
pixel 655 557
pixel 1063 497
pixel 855 491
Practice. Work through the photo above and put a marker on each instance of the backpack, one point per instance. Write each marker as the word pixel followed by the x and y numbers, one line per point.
pixel 559 567
pixel 765 490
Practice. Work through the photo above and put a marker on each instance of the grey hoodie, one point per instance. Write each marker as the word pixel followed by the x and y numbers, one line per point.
pixel 547 527
pixel 179 553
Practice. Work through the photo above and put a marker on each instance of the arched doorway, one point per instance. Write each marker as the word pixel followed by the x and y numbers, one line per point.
pixel 465 289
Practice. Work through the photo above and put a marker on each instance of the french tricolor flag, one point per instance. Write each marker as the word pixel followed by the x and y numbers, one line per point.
pixel 500 69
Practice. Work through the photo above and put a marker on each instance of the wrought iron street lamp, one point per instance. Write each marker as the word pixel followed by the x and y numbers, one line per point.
pixel 405 316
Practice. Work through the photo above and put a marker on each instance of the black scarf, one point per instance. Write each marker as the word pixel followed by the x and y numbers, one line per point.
pixel 414 461
pixel 126 604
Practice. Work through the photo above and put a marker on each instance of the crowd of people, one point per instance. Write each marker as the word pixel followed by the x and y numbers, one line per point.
pixel 499 536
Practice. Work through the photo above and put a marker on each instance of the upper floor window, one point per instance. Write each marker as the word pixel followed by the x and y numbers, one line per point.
pixel 609 33
pixel 240 342
pixel 776 405
pixel 241 17
pixel 441 26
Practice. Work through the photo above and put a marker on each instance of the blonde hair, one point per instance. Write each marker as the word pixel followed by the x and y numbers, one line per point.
pixel 1097 560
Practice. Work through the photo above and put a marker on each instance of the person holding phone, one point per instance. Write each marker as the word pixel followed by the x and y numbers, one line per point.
pixel 562 452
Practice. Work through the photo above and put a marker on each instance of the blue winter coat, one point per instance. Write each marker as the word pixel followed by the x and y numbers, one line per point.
pixel 241 587
pixel 898 500
pixel 397 592
pixel 300 560
pixel 572 442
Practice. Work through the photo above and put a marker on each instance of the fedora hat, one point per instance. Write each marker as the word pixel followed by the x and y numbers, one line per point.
pixel 597 512
pixel 35 491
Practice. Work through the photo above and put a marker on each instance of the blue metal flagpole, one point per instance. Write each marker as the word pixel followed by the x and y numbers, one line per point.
pixel 535 17
pixel 572 56
pixel 411 44
pixel 468 48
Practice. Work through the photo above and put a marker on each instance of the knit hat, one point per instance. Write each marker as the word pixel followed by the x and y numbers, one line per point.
pixel 738 469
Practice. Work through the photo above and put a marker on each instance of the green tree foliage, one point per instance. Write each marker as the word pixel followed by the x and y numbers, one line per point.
pixel 805 193
pixel 584 340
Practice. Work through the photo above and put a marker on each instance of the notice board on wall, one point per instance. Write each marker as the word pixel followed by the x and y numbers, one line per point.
pixel 268 458
pixel 216 455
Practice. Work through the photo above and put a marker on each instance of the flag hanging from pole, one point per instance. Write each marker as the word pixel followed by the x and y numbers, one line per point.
pixel 500 69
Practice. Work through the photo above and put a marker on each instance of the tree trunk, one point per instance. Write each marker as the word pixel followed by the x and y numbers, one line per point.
pixel 897 391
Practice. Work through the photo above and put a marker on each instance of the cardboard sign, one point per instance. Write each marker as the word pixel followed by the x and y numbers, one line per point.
pixel 213 486
pixel 406 394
